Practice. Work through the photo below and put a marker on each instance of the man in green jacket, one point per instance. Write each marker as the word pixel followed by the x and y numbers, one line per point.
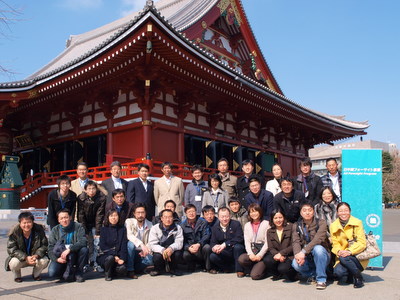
pixel 26 247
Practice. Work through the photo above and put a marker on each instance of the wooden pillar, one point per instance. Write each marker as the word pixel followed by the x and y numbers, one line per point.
pixel 181 141
pixel 109 141
pixel 146 106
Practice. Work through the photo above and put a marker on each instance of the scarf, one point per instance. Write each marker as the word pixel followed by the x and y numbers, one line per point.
pixel 326 211
pixel 67 233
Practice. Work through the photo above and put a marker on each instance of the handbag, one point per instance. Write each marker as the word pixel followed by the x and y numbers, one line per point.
pixel 371 250
pixel 256 247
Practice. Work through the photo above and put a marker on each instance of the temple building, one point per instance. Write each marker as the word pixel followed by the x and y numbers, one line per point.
pixel 182 80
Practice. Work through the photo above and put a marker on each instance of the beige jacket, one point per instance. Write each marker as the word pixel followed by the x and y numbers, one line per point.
pixel 229 184
pixel 174 191
pixel 132 232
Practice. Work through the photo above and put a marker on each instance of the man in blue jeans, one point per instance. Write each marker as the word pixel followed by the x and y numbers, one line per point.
pixel 311 246
pixel 138 229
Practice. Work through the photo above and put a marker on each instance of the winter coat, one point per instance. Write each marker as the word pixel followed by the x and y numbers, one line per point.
pixel 240 216
pixel 313 184
pixel 317 236
pixel 199 234
pixel 326 211
pixel 161 239
pixel 194 189
pixel 290 206
pixel 54 205
pixel 126 211
pixel 284 246
pixel 242 186
pixel 91 211
pixel 113 242
pixel 131 225
pixel 340 236
pixel 232 236
pixel 223 198
pixel 327 181
pixel 229 184
pixel 59 233
pixel 265 199
pixel 16 245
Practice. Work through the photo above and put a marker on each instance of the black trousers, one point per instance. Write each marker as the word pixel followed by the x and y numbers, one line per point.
pixel 202 256
pixel 159 262
pixel 279 268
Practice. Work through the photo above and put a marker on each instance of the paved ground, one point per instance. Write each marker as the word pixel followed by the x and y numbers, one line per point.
pixel 380 283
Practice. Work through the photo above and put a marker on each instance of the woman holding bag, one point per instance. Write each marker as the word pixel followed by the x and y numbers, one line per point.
pixel 255 233
pixel 348 240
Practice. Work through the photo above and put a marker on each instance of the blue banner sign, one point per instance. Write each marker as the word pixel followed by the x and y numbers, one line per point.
pixel 362 189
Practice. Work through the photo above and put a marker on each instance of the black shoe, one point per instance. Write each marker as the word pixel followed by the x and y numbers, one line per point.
pixel 108 278
pixel 70 278
pixel 176 272
pixel 61 280
pixel 79 278
pixel 358 282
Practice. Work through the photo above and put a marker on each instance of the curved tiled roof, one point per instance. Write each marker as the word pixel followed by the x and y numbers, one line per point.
pixel 180 14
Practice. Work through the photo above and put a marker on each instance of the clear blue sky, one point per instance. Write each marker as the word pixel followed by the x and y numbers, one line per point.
pixel 340 57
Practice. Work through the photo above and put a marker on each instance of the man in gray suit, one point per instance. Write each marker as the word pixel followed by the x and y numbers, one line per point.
pixel 169 187
pixel 115 182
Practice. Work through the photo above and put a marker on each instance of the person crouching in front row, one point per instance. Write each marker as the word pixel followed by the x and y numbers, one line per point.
pixel 166 242
pixel 67 248
pixel 197 234
pixel 113 246
pixel 226 244
pixel 27 247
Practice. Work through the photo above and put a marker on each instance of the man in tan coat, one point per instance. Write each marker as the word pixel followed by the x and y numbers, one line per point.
pixel 229 181
pixel 169 187
pixel 78 185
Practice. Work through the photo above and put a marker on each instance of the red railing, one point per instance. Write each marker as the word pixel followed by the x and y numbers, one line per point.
pixel 35 183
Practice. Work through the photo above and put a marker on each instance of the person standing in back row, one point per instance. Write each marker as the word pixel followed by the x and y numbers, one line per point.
pixel 169 187
pixel 115 181
pixel 228 181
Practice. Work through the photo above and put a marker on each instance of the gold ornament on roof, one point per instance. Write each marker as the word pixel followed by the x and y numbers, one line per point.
pixel 224 5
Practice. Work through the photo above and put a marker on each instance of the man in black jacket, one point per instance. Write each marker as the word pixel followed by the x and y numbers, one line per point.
pixel 115 181
pixel 260 196
pixel 141 190
pixel 91 210
pixel 60 198
pixel 226 243
pixel 196 234
pixel 308 182
pixel 289 200
pixel 242 185
pixel 119 203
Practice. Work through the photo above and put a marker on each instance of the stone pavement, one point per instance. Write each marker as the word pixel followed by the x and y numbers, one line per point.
pixel 380 283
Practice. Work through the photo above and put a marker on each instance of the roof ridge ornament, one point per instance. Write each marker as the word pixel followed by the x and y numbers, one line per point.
pixel 149 4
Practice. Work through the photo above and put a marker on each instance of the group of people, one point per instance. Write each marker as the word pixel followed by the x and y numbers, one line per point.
pixel 286 227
